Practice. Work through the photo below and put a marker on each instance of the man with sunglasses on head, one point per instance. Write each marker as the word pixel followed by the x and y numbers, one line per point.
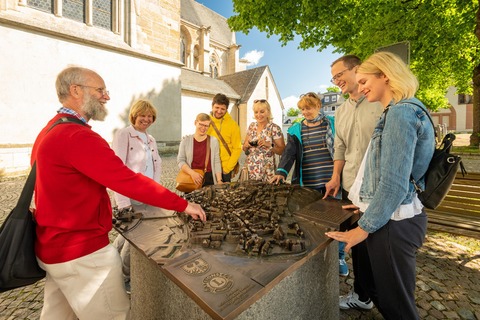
pixel 227 131
pixel 355 120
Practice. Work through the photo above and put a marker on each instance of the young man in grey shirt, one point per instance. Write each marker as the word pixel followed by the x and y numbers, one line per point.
pixel 355 120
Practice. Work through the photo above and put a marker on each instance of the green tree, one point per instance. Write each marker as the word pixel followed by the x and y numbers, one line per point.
pixel 333 89
pixel 293 112
pixel 443 34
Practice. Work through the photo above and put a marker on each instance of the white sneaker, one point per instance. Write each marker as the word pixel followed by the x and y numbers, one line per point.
pixel 351 301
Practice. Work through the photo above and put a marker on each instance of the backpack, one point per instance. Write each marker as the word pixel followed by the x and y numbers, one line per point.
pixel 441 171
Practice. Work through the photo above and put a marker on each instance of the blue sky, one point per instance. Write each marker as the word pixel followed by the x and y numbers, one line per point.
pixel 295 71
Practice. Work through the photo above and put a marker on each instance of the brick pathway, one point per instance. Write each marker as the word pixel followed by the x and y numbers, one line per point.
pixel 448 280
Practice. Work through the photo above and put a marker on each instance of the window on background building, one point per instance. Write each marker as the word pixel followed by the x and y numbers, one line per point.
pixel 334 98
pixel 183 50
pixel 74 9
pixel 464 98
pixel 195 58
pixel 102 14
pixel 327 99
pixel 43 5
pixel 213 67
pixel 102 11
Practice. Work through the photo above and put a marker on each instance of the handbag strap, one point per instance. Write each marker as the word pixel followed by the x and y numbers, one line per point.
pixel 221 138
pixel 207 154
pixel 27 192
pixel 273 146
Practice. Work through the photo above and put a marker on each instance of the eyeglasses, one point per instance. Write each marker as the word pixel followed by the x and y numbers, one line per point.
pixel 103 91
pixel 259 100
pixel 338 75
pixel 206 126
pixel 310 94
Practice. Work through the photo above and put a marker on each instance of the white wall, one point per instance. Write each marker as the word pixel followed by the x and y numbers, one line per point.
pixel 30 62
pixel 273 100
pixel 191 107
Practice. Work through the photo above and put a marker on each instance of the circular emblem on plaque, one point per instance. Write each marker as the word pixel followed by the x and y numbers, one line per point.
pixel 217 282
pixel 196 267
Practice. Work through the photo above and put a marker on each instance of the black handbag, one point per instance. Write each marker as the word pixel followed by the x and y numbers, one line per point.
pixel 440 174
pixel 18 262
pixel 441 171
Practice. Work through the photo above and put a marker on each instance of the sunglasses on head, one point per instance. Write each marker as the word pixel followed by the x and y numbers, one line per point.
pixel 310 94
pixel 260 100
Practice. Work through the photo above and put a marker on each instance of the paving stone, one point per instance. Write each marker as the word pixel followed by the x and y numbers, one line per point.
pixel 447 271
pixel 466 314
pixel 435 313
pixel 451 315
pixel 475 298
pixel 438 305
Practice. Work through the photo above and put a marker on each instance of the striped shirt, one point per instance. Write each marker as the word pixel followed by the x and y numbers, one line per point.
pixel 317 166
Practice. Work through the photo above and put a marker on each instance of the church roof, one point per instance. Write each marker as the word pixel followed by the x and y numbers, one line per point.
pixel 244 82
pixel 200 15
pixel 194 81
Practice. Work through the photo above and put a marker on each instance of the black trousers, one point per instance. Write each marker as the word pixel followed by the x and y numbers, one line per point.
pixel 390 280
pixel 227 177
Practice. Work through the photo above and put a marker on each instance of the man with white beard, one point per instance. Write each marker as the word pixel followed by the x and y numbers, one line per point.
pixel 74 167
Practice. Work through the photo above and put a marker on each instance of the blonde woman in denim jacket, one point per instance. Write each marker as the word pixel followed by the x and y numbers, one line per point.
pixel 393 222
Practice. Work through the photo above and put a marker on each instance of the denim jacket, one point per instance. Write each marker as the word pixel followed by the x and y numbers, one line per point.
pixel 293 153
pixel 402 143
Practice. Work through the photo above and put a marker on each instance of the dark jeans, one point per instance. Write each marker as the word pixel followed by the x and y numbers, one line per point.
pixel 227 177
pixel 208 179
pixel 391 252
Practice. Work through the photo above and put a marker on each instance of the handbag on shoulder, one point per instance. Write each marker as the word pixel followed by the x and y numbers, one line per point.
pixel 440 174
pixel 18 262
pixel 184 180
pixel 441 171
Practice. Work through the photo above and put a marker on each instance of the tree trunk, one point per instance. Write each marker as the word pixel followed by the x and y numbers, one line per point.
pixel 475 137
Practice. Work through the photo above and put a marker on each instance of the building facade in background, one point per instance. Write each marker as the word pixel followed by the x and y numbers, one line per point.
pixel 143 50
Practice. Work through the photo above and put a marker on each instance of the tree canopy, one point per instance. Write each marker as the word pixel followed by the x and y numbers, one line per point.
pixel 444 41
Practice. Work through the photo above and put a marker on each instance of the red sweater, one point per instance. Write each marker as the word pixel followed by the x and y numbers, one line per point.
pixel 75 165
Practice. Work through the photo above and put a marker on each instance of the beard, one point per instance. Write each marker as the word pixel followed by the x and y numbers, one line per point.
pixel 93 109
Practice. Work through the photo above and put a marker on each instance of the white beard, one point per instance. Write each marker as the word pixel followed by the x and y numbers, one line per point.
pixel 93 109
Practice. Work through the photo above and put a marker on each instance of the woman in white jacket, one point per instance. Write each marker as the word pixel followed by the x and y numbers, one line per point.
pixel 192 153
pixel 138 150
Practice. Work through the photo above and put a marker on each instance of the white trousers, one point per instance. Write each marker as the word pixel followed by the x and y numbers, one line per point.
pixel 90 287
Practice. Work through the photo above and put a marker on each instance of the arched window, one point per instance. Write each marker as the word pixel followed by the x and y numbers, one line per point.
pixel 183 50
pixel 195 58
pixel 213 67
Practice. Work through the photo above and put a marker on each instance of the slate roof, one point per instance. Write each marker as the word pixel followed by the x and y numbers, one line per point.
pixel 244 82
pixel 200 15
pixel 194 81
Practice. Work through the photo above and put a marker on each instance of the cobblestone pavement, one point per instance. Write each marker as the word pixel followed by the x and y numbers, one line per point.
pixel 448 271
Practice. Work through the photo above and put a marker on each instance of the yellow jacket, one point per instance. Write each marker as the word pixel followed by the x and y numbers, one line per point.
pixel 230 132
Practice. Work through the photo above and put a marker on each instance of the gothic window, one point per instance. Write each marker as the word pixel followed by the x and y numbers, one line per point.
pixel 43 5
pixel 74 9
pixel 213 67
pixel 102 14
pixel 183 51
pixel 195 58
pixel 102 11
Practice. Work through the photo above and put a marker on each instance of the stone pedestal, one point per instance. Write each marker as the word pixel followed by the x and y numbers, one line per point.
pixel 308 289
pixel 262 254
